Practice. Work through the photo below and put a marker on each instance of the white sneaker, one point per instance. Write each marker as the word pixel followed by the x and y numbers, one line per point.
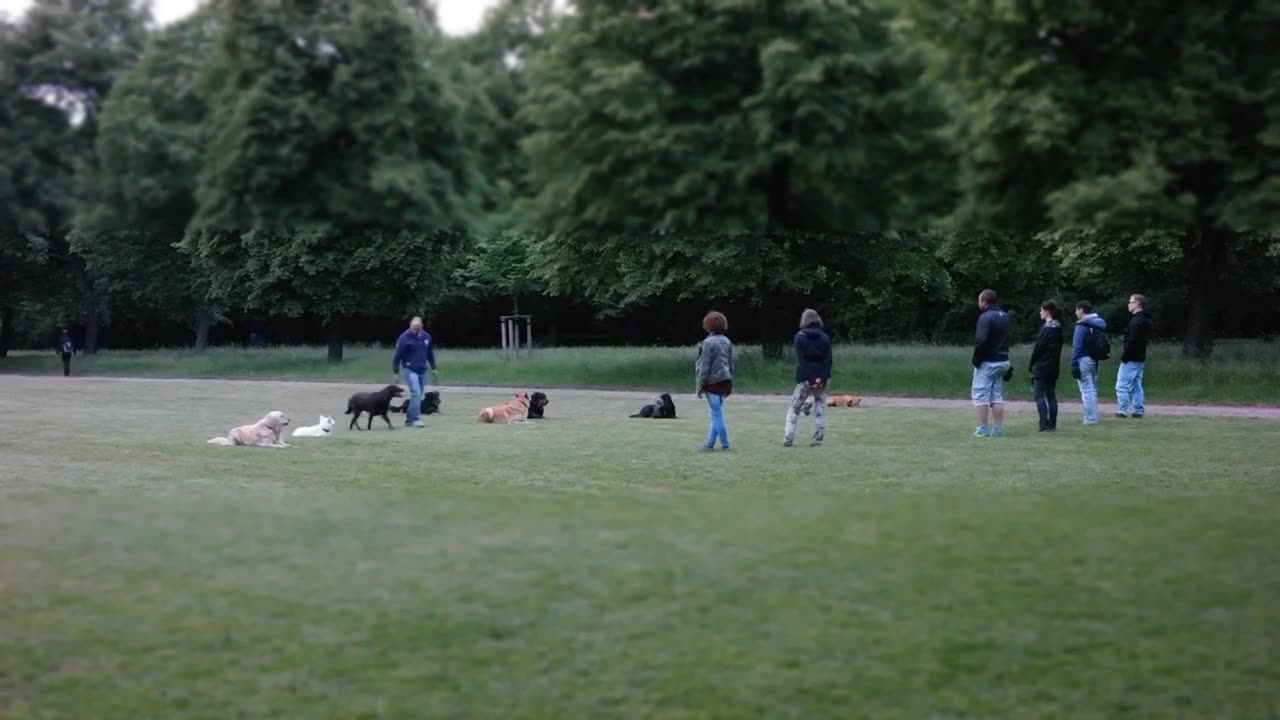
pixel 417 424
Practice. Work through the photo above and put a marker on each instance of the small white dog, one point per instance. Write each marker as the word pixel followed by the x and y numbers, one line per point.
pixel 324 428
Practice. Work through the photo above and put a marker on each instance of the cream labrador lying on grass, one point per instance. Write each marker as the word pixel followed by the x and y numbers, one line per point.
pixel 264 433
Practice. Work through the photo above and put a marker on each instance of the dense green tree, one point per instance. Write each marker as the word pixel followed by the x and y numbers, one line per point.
pixel 335 156
pixel 1150 125
pixel 57 67
pixel 753 120
pixel 140 197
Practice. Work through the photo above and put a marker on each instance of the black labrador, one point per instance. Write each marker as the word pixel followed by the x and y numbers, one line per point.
pixel 662 408
pixel 430 404
pixel 537 403
pixel 377 404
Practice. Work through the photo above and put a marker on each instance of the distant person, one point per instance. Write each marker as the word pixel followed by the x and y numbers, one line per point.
pixel 1130 395
pixel 1046 364
pixel 416 354
pixel 66 348
pixel 714 374
pixel 813 371
pixel 991 367
pixel 1089 347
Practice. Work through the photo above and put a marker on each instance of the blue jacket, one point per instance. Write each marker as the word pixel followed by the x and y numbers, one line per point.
pixel 1081 332
pixel 813 355
pixel 414 351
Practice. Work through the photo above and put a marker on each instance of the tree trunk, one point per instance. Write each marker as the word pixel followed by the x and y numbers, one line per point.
pixel 1204 258
pixel 335 340
pixel 6 330
pixel 204 323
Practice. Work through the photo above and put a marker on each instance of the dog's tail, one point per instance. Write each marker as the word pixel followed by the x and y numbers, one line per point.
pixel 486 416
pixel 636 415
pixel 224 441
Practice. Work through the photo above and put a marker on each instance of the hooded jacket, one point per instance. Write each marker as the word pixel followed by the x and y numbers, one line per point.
pixel 813 354
pixel 1046 357
pixel 1078 345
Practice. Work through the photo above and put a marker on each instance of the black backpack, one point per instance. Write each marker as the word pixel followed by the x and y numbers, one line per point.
pixel 1097 344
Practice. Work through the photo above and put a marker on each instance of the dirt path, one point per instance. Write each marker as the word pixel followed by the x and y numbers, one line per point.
pixel 1266 413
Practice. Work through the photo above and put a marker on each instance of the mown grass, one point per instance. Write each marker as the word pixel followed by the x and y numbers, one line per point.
pixel 1246 373
pixel 589 566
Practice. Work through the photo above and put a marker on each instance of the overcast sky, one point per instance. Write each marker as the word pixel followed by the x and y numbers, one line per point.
pixel 456 16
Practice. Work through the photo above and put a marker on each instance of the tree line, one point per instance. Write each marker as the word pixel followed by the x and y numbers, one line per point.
pixel 346 161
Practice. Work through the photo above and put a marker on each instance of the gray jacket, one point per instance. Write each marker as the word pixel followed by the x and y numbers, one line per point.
pixel 715 361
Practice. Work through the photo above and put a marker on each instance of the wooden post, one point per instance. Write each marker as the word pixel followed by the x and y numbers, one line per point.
pixel 502 328
pixel 529 329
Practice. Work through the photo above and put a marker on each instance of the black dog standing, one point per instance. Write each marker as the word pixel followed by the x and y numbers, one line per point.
pixel 377 404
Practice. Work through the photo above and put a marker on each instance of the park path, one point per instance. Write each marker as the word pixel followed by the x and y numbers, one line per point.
pixel 870 401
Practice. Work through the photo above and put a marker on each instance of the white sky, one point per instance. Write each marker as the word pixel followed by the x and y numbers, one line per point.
pixel 456 16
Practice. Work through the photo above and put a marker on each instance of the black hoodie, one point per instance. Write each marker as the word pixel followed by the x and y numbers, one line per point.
pixel 1046 357
pixel 813 354
pixel 1137 337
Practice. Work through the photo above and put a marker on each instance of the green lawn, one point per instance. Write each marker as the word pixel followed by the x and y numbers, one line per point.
pixel 1245 373
pixel 589 566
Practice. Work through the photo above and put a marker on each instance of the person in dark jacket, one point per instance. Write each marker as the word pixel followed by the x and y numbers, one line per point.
pixel 813 371
pixel 991 366
pixel 1130 395
pixel 415 353
pixel 66 348
pixel 1046 363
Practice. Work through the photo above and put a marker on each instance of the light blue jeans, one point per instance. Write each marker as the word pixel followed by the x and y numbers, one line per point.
pixel 1088 383
pixel 418 384
pixel 718 430
pixel 1129 388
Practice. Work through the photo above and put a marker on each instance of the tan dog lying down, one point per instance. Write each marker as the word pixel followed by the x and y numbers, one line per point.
pixel 515 411
pixel 264 433
pixel 844 401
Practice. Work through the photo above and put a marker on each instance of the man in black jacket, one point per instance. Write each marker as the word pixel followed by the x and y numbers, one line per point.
pixel 1130 397
pixel 990 364
pixel 813 371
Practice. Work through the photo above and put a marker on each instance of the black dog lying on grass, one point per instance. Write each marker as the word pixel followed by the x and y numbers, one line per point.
pixel 430 404
pixel 377 404
pixel 663 408
pixel 537 402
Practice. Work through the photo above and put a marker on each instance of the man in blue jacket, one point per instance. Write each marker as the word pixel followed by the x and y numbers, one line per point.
pixel 990 364
pixel 415 353
pixel 1088 349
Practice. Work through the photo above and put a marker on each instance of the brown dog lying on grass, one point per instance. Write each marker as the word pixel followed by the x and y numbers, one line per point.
pixel 834 401
pixel 264 433
pixel 515 411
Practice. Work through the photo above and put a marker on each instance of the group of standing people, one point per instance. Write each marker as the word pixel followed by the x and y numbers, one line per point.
pixel 992 367
pixel 1090 346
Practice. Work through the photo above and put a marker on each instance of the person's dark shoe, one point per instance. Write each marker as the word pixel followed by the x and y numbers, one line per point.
pixel 815 444
pixel 707 448
pixel 1137 416
pixel 1121 415
pixel 787 443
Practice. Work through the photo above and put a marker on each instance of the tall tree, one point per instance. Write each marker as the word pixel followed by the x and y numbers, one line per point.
pixel 335 154
pixel 752 120
pixel 57 67
pixel 1119 123
pixel 139 199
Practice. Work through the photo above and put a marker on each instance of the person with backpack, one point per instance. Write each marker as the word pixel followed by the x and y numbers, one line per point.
pixel 1089 347
pixel 1129 391
pixel 1046 361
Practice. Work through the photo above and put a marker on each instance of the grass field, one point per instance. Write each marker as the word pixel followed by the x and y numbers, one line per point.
pixel 1246 373
pixel 587 566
